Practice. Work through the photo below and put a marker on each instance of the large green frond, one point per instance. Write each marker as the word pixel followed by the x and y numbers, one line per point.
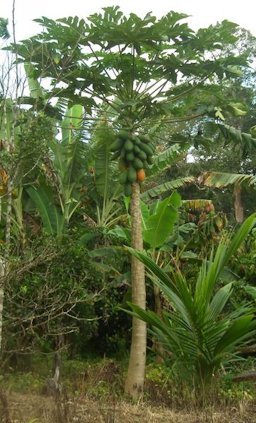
pixel 168 158
pixel 241 329
pixel 52 219
pixel 223 180
pixel 219 301
pixel 166 188
pixel 102 139
pixel 159 225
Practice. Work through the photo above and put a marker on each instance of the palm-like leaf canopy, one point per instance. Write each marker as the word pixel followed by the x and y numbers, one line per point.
pixel 151 65
pixel 194 328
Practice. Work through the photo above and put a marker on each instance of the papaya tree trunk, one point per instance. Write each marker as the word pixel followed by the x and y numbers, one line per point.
pixel 238 205
pixel 136 369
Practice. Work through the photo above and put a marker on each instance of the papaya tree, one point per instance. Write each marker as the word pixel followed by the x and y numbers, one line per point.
pixel 148 72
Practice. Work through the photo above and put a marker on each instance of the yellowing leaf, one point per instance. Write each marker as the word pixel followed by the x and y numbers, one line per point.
pixel 238 109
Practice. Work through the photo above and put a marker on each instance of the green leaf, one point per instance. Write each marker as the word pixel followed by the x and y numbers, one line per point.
pixel 251 290
pixel 222 179
pixel 238 109
pixel 120 232
pixel 72 123
pixel 253 131
pixel 103 139
pixel 219 301
pixel 194 328
pixel 159 226
pixel 53 221
pixel 235 70
pixel 242 328
pixel 169 157
pixel 218 113
pixel 245 141
pixel 239 237
pixel 35 88
pixel 4 33
pixel 166 187
pixel 151 265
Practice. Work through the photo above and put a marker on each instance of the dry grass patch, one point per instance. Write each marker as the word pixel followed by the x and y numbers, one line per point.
pixel 25 408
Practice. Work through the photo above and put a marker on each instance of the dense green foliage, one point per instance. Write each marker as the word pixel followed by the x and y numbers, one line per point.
pixel 192 328
pixel 124 94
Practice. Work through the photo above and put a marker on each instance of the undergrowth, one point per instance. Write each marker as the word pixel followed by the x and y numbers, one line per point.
pixel 101 382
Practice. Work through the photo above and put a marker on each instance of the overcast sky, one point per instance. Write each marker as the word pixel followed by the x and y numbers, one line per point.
pixel 203 13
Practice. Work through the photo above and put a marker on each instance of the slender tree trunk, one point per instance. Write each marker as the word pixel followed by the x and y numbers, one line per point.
pixel 238 205
pixel 136 370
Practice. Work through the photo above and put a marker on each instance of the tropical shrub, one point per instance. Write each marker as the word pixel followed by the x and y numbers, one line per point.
pixel 55 290
pixel 193 328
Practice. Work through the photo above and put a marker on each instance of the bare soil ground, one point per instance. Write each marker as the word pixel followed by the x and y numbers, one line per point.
pixel 26 408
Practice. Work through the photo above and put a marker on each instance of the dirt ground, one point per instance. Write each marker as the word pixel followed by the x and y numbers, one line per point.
pixel 21 408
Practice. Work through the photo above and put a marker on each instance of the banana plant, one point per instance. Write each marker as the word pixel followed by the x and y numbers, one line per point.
pixel 158 220
pixel 104 187
pixel 195 328
pixel 223 179
pixel 236 180
pixel 161 162
pixel 68 163
pixel 52 218
pixel 56 193
pixel 159 223
pixel 63 165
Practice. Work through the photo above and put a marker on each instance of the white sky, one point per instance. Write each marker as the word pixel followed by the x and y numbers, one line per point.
pixel 203 12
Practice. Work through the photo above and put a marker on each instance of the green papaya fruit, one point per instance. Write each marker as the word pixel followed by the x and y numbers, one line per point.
pixel 136 141
pixel 137 164
pixel 150 160
pixel 127 190
pixel 129 157
pixel 123 134
pixel 142 155
pixel 123 177
pixel 146 149
pixel 136 149
pixel 128 146
pixel 122 153
pixel 131 174
pixel 145 139
pixel 151 148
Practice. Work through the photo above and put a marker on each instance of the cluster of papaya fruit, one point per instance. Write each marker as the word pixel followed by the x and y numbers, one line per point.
pixel 135 155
